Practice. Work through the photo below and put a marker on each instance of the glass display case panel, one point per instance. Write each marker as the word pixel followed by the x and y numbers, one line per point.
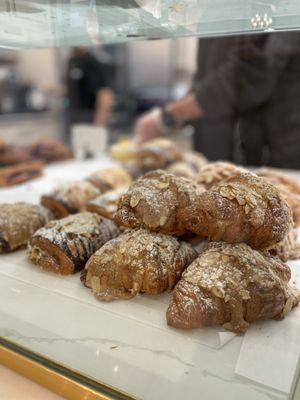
pixel 26 24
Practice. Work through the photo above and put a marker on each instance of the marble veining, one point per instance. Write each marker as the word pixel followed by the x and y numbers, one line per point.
pixel 113 344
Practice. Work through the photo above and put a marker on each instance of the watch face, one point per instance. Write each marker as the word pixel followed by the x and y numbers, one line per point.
pixel 168 119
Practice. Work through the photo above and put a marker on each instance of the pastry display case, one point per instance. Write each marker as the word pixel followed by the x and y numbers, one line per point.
pixel 53 329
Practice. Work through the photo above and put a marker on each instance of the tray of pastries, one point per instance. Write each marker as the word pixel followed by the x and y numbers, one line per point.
pixel 124 239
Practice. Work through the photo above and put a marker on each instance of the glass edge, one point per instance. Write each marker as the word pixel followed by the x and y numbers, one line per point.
pixel 66 372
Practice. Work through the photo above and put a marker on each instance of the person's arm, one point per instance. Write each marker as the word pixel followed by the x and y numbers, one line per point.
pixel 103 106
pixel 249 76
pixel 244 81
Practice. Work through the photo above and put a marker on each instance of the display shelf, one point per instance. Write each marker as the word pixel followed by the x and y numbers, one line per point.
pixel 123 349
pixel 26 24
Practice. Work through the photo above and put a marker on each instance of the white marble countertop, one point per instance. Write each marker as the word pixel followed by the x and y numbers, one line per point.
pixel 126 344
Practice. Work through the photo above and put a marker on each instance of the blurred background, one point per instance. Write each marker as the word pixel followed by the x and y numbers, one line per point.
pixel 41 88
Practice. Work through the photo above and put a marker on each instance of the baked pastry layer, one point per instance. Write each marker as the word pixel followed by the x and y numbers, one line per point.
pixel 18 222
pixel 64 246
pixel 70 198
pixel 137 261
pixel 232 285
pixel 161 202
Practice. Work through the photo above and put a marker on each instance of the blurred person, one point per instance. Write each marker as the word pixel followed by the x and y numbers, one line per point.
pixel 89 88
pixel 250 82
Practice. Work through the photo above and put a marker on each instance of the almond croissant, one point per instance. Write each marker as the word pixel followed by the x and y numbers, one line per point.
pixel 244 208
pixel 138 261
pixel 287 186
pixel 231 285
pixel 216 172
pixel 159 201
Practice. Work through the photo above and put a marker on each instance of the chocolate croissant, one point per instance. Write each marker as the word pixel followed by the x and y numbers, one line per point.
pixel 137 261
pixel 244 208
pixel 64 246
pixel 110 178
pixel 107 203
pixel 50 150
pixel 18 222
pixel 216 172
pixel 159 201
pixel 20 173
pixel 15 154
pixel 231 285
pixel 69 198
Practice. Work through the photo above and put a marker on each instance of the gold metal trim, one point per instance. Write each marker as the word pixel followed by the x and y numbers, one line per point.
pixel 60 380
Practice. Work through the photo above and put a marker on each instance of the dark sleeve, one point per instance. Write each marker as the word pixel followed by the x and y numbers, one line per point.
pixel 98 75
pixel 249 75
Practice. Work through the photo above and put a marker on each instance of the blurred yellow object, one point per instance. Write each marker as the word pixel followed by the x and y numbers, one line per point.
pixel 123 151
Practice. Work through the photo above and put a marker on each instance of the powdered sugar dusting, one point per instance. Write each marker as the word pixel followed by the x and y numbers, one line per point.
pixel 19 221
pixel 137 261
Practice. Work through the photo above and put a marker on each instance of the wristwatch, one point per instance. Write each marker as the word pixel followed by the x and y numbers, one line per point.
pixel 168 119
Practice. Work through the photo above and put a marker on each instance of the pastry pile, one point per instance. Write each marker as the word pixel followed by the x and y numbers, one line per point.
pixel 20 164
pixel 132 236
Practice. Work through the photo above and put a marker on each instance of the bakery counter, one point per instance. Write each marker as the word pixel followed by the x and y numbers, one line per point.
pixel 125 348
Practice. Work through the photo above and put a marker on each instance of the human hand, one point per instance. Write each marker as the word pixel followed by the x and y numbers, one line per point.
pixel 149 126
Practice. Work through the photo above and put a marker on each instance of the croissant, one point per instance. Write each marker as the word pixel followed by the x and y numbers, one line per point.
pixel 20 173
pixel 64 246
pixel 288 248
pixel 288 187
pixel 157 153
pixel 69 198
pixel 137 261
pixel 244 208
pixel 14 154
pixel 50 150
pixel 159 201
pixel 106 204
pixel 18 222
pixel 181 168
pixel 195 160
pixel 216 172
pixel 231 285
pixel 110 178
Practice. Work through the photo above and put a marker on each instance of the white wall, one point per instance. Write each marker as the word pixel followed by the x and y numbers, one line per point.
pixel 39 66
pixel 151 63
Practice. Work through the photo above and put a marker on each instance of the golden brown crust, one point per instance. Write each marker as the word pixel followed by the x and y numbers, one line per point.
pixel 20 173
pixel 18 222
pixel 244 208
pixel 110 178
pixel 107 203
pixel 159 201
pixel 64 246
pixel 288 187
pixel 69 198
pixel 231 285
pixel 216 172
pixel 137 261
